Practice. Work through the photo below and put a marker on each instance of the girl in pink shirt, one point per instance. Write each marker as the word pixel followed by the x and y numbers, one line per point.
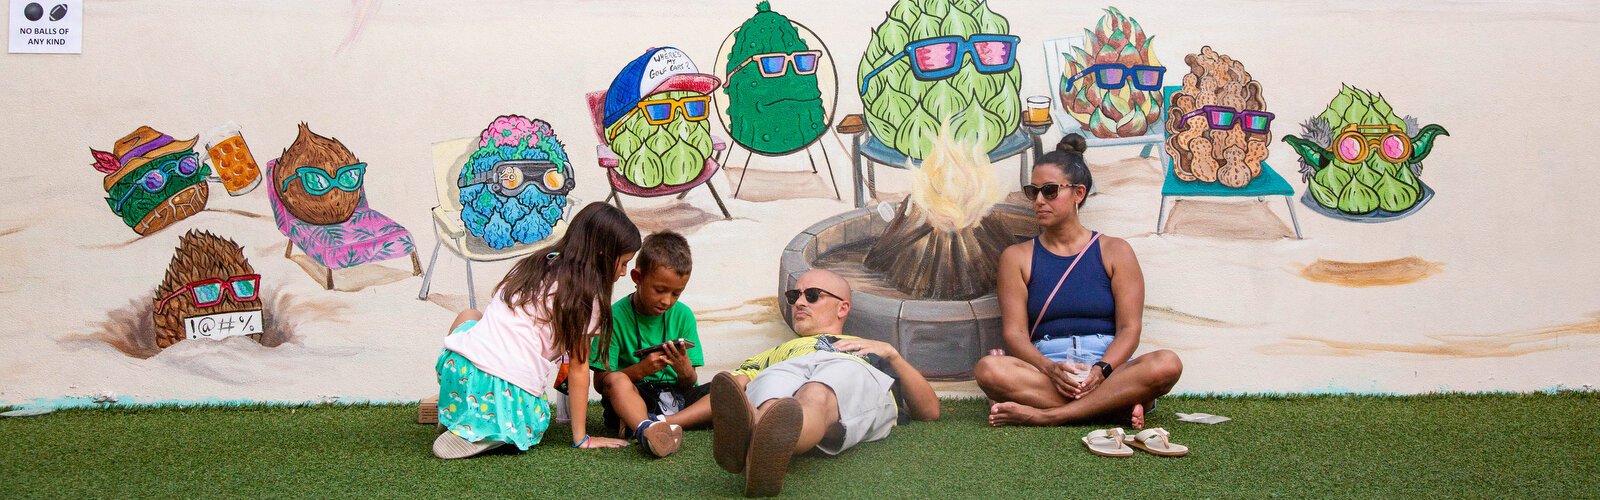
pixel 496 365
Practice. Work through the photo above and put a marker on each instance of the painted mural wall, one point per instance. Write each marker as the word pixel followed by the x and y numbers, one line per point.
pixel 302 195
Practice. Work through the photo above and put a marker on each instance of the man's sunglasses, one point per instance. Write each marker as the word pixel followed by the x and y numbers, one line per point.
pixel 209 292
pixel 773 64
pixel 1049 190
pixel 1224 118
pixel 511 178
pixel 812 294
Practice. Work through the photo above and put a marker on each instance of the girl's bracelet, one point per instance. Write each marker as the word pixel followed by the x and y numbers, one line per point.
pixel 580 444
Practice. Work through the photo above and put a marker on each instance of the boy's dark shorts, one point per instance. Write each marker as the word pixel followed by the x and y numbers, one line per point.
pixel 676 399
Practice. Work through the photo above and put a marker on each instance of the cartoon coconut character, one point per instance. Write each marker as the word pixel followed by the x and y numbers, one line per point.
pixel 514 187
pixel 1112 87
pixel 1361 161
pixel 655 118
pixel 153 180
pixel 1218 126
pixel 940 61
pixel 210 291
pixel 775 104
pixel 319 181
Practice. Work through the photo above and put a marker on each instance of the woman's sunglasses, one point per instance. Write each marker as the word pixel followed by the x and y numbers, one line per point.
pixel 1113 76
pixel 773 64
pixel 317 183
pixel 156 179
pixel 812 294
pixel 941 57
pixel 209 292
pixel 511 178
pixel 1049 190
pixel 1224 118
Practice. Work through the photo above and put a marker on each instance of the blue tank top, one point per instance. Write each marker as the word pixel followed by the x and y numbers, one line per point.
pixel 1084 306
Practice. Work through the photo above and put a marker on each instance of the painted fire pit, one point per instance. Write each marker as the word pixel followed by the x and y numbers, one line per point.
pixel 942 338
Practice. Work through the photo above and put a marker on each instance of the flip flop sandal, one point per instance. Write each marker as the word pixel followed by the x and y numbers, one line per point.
pixel 1154 440
pixel 450 446
pixel 771 447
pixel 1108 443
pixel 731 418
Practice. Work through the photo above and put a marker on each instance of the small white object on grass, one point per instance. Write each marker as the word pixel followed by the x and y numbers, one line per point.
pixel 1202 418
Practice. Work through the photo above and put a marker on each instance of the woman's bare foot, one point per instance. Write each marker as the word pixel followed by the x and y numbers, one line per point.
pixel 1015 414
pixel 1137 419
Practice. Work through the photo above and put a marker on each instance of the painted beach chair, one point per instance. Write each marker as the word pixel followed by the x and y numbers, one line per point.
pixel 448 159
pixel 1053 48
pixel 367 237
pixel 867 152
pixel 622 186
pixel 1269 183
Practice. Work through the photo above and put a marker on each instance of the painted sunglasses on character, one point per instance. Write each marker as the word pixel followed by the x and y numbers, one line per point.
pixel 775 64
pixel 1224 118
pixel 660 111
pixel 317 183
pixel 1358 142
pixel 207 293
pixel 156 179
pixel 1114 76
pixel 511 178
pixel 941 57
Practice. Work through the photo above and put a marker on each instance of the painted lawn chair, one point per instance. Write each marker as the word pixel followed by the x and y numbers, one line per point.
pixel 1053 48
pixel 1269 183
pixel 368 237
pixel 448 159
pixel 622 186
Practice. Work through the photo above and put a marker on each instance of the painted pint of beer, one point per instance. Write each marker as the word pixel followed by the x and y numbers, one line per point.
pixel 231 159
pixel 1038 110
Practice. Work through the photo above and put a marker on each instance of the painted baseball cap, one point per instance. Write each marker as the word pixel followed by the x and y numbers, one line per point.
pixel 658 70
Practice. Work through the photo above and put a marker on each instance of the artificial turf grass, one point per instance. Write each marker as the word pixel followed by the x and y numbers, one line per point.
pixel 1453 445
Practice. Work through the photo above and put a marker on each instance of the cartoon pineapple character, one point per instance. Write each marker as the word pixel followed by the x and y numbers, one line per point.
pixel 1112 86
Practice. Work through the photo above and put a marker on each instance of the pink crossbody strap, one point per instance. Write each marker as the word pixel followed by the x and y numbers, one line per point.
pixel 1064 275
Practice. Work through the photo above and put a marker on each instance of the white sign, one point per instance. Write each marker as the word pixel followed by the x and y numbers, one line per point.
pixel 221 326
pixel 46 26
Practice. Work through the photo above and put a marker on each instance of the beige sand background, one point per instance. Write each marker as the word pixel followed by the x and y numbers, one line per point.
pixel 1513 305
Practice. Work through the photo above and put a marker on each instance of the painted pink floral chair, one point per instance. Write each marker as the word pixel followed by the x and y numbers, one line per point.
pixel 368 237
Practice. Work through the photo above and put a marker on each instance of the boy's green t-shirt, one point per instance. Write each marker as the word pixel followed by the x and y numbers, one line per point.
pixel 631 331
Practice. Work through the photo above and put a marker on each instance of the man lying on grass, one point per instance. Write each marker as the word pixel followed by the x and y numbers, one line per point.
pixel 824 390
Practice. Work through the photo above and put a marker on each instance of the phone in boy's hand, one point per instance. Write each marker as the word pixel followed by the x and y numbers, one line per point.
pixel 684 344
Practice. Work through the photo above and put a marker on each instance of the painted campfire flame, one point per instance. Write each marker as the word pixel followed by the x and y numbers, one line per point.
pixel 943 244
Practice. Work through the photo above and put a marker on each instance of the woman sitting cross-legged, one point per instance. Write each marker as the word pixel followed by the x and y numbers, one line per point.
pixel 1071 290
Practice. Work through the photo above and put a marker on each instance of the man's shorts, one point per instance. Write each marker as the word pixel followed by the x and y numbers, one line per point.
pixel 866 408
pixel 660 399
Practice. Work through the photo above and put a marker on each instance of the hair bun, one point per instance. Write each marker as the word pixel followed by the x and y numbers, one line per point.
pixel 1072 143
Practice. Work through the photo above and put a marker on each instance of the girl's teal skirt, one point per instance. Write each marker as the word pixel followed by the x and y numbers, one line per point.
pixel 478 406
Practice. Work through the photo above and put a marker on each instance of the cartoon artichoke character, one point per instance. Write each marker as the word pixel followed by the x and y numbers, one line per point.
pixel 514 187
pixel 775 105
pixel 1359 158
pixel 959 67
pixel 1118 50
pixel 673 153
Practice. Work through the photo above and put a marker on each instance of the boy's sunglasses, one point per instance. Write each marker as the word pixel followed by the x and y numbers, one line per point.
pixel 1358 142
pixel 812 294
pixel 317 183
pixel 1113 76
pixel 511 178
pixel 209 292
pixel 1224 118
pixel 154 180
pixel 660 111
pixel 941 57
pixel 773 64
pixel 1049 190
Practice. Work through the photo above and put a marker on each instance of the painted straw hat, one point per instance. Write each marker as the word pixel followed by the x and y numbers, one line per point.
pixel 140 147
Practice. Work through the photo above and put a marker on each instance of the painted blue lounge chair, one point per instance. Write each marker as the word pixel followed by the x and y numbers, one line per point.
pixel 1269 183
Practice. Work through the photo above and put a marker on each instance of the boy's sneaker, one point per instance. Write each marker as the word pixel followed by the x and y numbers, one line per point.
pixel 731 418
pixel 657 437
pixel 771 446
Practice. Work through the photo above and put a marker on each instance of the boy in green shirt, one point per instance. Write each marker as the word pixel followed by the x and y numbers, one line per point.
pixel 654 395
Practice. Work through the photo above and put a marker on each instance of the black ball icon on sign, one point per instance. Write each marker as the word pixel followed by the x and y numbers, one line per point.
pixel 33 11
pixel 58 12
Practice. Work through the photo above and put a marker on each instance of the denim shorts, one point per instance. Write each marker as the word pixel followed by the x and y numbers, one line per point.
pixel 1057 348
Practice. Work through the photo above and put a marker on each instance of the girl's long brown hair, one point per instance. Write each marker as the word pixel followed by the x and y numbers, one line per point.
pixel 582 265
